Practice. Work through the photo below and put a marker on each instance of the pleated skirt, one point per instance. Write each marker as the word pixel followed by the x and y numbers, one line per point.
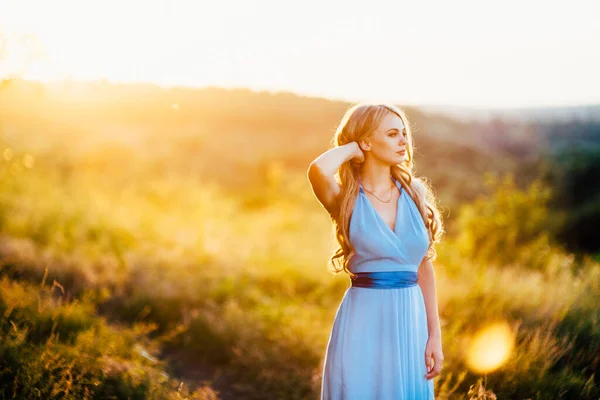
pixel 376 349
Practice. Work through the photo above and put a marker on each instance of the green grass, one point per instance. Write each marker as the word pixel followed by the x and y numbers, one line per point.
pixel 53 348
pixel 237 280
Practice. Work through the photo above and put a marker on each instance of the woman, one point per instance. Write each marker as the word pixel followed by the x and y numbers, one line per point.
pixel 385 342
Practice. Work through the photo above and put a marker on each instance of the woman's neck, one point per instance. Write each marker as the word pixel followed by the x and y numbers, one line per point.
pixel 376 181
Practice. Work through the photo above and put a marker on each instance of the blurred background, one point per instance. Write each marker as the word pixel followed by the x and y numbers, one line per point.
pixel 158 234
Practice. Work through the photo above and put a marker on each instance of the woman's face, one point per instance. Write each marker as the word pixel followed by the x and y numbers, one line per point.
pixel 389 141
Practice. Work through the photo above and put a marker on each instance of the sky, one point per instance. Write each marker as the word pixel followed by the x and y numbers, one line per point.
pixel 481 54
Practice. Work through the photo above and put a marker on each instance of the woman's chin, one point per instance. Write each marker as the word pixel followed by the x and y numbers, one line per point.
pixel 397 160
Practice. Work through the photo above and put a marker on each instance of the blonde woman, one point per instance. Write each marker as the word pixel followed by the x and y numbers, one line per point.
pixel 385 342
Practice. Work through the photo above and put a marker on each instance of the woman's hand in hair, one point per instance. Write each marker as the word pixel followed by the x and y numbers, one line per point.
pixel 359 156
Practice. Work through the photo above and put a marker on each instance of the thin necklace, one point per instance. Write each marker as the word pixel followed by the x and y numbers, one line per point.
pixel 383 201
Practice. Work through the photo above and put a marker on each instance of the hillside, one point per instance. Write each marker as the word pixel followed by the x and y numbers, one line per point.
pixel 229 135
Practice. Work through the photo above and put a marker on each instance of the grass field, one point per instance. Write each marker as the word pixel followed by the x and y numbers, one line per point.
pixel 190 262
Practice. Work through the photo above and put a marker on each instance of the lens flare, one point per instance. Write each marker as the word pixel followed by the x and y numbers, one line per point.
pixel 490 347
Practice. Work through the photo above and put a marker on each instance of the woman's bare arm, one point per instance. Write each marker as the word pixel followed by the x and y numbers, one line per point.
pixel 434 355
pixel 321 174
pixel 428 287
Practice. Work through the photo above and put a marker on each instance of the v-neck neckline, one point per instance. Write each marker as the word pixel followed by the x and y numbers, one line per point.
pixel 377 215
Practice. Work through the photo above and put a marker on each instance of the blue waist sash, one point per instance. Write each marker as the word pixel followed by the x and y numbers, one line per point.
pixel 385 279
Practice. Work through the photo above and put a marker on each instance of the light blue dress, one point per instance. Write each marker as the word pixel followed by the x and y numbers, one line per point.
pixel 376 349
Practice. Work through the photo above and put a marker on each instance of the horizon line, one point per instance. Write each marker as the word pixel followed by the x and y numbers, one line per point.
pixel 430 105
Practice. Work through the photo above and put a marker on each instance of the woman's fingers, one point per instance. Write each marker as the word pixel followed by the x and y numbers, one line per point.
pixel 428 360
pixel 437 366
pixel 434 372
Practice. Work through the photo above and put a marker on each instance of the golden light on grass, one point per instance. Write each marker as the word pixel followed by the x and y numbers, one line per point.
pixel 28 160
pixel 490 347
pixel 7 154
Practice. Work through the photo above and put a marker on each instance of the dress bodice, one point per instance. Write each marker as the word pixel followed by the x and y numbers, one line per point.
pixel 377 247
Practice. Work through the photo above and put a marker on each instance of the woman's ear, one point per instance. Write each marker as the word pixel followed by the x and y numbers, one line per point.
pixel 364 145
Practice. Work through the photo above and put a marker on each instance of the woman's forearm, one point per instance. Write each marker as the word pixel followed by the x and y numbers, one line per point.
pixel 428 287
pixel 330 161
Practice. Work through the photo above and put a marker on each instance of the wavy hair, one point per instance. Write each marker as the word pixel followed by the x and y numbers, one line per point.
pixel 358 123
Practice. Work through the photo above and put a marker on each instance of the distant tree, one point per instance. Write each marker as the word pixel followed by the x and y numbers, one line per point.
pixel 509 226
pixel 574 172
pixel 569 163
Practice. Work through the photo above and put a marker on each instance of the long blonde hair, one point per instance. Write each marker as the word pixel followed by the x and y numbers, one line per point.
pixel 358 123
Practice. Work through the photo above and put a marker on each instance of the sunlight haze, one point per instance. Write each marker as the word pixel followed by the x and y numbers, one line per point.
pixel 479 54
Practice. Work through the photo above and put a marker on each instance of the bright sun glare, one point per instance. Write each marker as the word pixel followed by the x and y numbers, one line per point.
pixel 490 347
pixel 461 54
